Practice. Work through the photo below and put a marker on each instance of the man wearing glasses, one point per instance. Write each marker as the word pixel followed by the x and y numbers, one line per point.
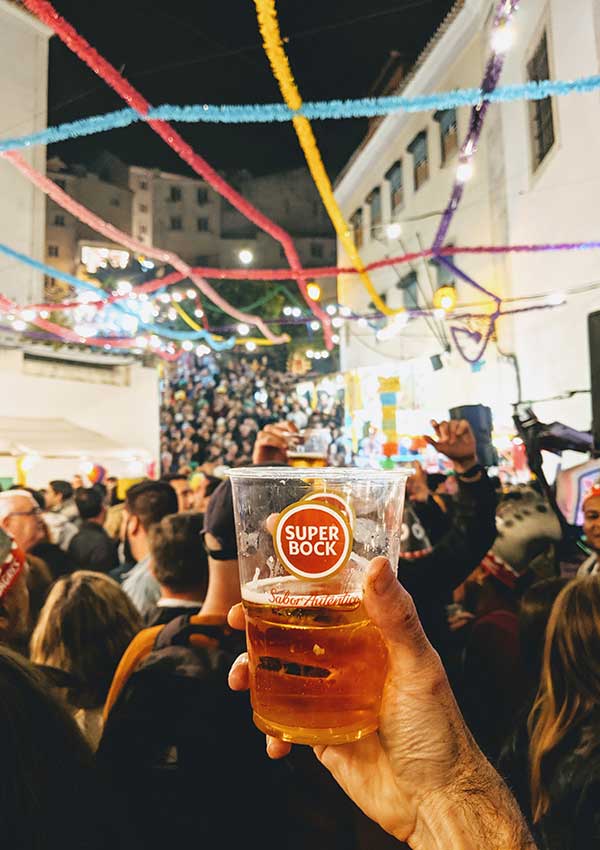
pixel 21 517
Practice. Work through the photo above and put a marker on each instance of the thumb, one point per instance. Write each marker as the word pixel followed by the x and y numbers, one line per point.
pixel 392 609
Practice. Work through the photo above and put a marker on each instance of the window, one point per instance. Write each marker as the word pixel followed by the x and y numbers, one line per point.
pixel 143 208
pixel 202 196
pixel 418 149
pixel 175 193
pixel 396 181
pixel 408 285
pixel 202 224
pixel 446 118
pixel 143 230
pixel 143 185
pixel 115 202
pixel 53 250
pixel 176 223
pixel 203 260
pixel 374 201
pixel 62 184
pixel 59 220
pixel 540 111
pixel 357 227
pixel 316 250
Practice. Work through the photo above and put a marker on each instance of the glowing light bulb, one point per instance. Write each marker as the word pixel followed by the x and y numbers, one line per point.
pixel 314 325
pixel 393 230
pixel 250 346
pixel 313 291
pixel 187 345
pixel 243 329
pixel 246 256
pixel 464 172
pixel 331 309
pixel 502 38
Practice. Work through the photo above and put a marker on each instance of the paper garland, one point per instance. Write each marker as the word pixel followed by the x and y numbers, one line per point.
pixel 46 13
pixel 269 113
pixel 269 30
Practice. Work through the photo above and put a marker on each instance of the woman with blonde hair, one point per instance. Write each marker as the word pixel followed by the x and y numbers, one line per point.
pixel 564 723
pixel 84 627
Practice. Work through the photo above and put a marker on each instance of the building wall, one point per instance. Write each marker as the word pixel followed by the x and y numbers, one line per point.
pixel 505 201
pixel 121 402
pixel 23 95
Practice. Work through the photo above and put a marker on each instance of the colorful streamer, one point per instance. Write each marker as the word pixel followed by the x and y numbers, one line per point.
pixel 82 284
pixel 269 113
pixel 269 30
pixel 46 13
pixel 83 214
pixel 493 69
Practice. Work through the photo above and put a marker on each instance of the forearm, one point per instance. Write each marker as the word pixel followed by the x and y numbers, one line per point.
pixel 477 811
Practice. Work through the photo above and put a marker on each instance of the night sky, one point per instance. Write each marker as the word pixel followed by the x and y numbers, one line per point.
pixel 193 52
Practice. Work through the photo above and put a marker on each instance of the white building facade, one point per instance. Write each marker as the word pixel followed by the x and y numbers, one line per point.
pixel 535 181
pixel 24 95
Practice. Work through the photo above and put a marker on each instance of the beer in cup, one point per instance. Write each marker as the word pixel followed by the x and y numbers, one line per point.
pixel 305 538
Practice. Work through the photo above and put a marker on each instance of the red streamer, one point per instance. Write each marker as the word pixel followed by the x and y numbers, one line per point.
pixel 46 13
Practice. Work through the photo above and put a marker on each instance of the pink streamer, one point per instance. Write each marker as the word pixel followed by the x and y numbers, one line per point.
pixel 114 234
pixel 100 66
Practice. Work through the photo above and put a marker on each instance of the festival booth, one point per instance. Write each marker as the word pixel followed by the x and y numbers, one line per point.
pixel 36 451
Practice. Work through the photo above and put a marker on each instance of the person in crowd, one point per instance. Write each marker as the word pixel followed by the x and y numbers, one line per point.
pixel 84 628
pixel 173 737
pixel 492 683
pixel 421 777
pixel 181 484
pixel 53 796
pixel 114 520
pixel 146 503
pixel 560 766
pixel 591 530
pixel 203 491
pixel 430 579
pixel 14 595
pixel 60 500
pixel 432 512
pixel 180 565
pixel 112 496
pixel 47 549
pixel 21 518
pixel 92 548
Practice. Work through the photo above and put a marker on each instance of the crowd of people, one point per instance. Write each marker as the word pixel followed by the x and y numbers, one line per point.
pixel 121 627
pixel 210 416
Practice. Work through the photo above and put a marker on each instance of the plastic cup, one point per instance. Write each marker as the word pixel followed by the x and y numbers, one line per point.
pixel 305 538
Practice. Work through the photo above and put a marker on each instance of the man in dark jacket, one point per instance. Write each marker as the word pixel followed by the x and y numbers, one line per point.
pixel 92 548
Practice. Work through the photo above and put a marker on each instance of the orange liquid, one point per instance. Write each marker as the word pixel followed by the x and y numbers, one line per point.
pixel 316 674
pixel 310 460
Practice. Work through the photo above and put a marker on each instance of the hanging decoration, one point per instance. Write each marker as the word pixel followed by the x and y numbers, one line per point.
pixel 269 30
pixel 83 214
pixel 269 113
pixel 46 13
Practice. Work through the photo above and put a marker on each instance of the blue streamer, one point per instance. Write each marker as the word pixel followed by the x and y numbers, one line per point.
pixel 268 113
pixel 168 333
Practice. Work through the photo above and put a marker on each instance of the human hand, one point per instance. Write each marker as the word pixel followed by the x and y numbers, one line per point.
pixel 456 440
pixel 421 776
pixel 273 442
pixel 416 486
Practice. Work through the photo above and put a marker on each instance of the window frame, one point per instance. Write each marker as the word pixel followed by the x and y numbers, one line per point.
pixel 175 194
pixel 421 170
pixel 540 112
pixel 396 167
pixel 172 220
pixel 205 221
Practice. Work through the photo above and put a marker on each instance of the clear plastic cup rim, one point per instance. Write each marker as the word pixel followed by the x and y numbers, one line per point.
pixel 330 473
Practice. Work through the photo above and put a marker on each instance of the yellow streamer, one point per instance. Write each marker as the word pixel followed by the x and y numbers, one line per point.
pixel 273 45
pixel 257 340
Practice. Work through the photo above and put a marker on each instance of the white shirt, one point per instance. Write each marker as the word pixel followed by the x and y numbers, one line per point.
pixel 167 602
pixel 591 567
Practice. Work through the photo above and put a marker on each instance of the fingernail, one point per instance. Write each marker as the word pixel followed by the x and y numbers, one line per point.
pixel 383 580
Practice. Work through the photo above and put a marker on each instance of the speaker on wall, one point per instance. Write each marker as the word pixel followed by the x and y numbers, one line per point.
pixel 479 418
pixel 594 341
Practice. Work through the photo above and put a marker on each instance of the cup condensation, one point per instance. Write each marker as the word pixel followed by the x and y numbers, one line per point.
pixel 305 538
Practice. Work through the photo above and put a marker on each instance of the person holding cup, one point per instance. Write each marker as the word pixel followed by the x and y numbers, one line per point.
pixel 421 776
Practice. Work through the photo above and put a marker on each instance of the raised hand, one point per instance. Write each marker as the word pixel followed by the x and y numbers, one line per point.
pixel 456 440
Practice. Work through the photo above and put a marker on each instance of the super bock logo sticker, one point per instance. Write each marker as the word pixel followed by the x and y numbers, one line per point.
pixel 312 540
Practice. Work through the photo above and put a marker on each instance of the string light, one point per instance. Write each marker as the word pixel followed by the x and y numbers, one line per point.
pixel 555 299
pixel 314 326
pixel 246 256
pixel 28 315
pixel 191 294
pixel 331 309
pixel 464 172
pixel 124 287
pixel 250 346
pixel 445 298
pixel 287 311
pixel 296 312
pixel 202 350
pixel 19 325
pixel 314 291
pixel 502 38
pixel 393 327
pixel 335 339
pixel 198 313
pixel 337 322
pixel 164 298
pixel 243 330
pixel 172 314
pixel 345 311
pixel 393 230
pixel 187 345
pixel 178 297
